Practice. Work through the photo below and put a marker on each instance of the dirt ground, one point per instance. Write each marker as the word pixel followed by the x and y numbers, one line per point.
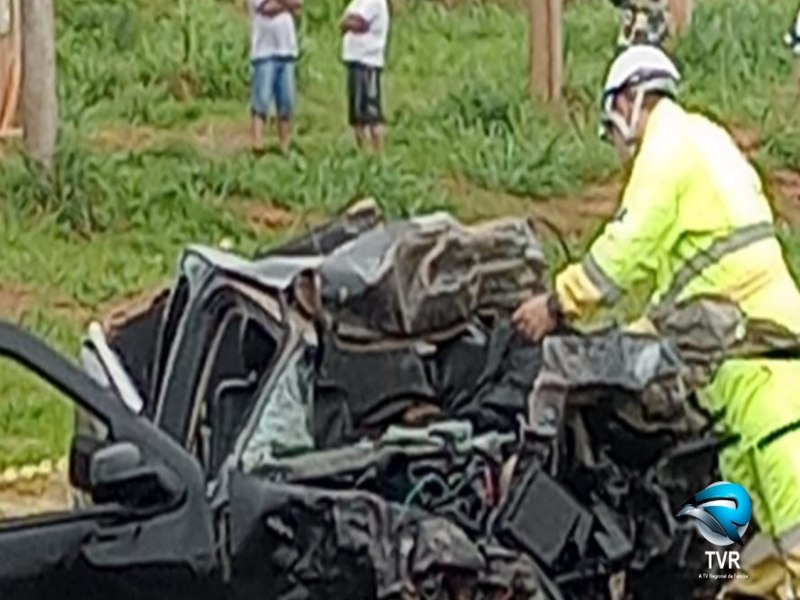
pixel 38 495
pixel 218 138
pixel 784 190
pixel 17 299
pixel 14 299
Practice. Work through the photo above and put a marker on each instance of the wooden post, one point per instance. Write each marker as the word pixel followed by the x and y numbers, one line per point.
pixel 546 51
pixel 10 65
pixel 680 16
pixel 39 99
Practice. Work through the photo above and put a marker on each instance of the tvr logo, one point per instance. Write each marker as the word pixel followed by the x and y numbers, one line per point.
pixel 721 513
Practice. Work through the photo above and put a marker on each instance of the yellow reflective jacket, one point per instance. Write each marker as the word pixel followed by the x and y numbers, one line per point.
pixel 689 187
pixel 691 193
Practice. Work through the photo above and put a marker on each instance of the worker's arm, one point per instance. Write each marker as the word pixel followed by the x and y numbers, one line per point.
pixel 633 243
pixel 271 8
pixel 359 16
pixel 355 23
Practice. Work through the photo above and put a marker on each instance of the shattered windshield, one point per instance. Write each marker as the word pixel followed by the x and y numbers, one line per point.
pixel 284 425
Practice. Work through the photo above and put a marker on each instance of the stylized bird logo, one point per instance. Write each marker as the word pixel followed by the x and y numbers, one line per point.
pixel 722 512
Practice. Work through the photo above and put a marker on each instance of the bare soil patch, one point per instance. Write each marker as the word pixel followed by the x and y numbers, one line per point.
pixel 784 189
pixel 215 137
pixel 574 217
pixel 16 300
pixel 126 137
pixel 580 216
pixel 263 215
pixel 39 495
pixel 748 140
pixel 225 138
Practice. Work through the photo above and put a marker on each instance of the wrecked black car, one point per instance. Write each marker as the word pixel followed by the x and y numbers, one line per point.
pixel 352 415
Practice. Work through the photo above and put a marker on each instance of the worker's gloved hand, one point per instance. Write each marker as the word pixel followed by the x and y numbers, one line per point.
pixel 537 316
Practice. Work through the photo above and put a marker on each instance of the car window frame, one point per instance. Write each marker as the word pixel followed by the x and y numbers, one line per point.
pixel 252 307
pixel 181 390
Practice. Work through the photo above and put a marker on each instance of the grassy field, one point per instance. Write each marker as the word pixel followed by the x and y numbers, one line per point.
pixel 154 147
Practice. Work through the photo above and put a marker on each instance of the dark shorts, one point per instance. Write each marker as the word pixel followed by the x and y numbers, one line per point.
pixel 364 95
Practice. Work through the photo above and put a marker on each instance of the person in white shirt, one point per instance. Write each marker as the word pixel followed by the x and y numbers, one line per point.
pixel 365 29
pixel 273 52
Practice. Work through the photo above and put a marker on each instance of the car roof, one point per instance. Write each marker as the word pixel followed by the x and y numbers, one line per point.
pixel 274 272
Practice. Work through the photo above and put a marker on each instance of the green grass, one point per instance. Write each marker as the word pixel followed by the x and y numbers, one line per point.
pixel 35 418
pixel 114 217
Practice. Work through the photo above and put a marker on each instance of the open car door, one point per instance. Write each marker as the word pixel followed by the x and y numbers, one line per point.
pixel 146 530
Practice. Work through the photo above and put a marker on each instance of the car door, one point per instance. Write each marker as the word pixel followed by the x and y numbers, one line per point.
pixel 147 530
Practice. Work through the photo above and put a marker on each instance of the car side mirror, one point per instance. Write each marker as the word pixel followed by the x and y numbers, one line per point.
pixel 81 452
pixel 118 473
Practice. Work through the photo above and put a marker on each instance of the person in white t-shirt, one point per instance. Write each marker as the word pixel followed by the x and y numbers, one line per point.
pixel 273 52
pixel 365 29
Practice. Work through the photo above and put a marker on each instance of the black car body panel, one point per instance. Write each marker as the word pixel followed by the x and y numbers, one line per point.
pixel 164 540
pixel 302 541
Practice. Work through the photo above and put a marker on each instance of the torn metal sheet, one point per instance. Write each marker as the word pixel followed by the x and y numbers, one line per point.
pixel 326 544
pixel 321 241
pixel 428 275
pixel 273 271
pixel 709 329
pixel 631 365
pixel 543 518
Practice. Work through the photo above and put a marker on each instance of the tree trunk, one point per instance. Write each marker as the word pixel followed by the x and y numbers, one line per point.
pixel 39 99
pixel 546 52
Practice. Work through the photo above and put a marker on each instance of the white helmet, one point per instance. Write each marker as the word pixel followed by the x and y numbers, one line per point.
pixel 642 68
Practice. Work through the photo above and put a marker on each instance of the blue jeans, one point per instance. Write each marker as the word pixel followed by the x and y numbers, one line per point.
pixel 272 80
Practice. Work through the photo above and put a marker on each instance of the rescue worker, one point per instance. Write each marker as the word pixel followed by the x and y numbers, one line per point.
pixel 642 22
pixel 694 220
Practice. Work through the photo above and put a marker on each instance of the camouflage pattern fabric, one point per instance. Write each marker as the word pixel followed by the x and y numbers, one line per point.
pixel 642 22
